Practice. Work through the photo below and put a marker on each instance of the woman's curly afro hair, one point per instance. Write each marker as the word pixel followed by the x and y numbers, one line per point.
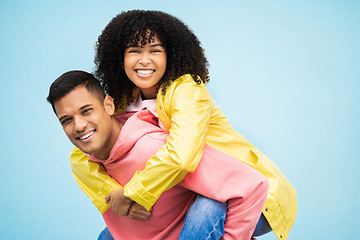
pixel 138 27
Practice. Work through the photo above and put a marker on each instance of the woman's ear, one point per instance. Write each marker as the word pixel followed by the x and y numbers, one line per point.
pixel 109 105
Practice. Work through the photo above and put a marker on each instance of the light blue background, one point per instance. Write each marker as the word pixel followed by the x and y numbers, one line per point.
pixel 286 73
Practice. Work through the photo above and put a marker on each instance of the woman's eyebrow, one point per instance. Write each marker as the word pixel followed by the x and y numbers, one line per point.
pixel 157 45
pixel 133 45
pixel 152 45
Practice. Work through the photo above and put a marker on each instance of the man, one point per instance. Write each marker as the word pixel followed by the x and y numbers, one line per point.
pixel 123 144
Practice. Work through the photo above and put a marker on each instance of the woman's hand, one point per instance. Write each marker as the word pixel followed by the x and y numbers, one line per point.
pixel 124 206
pixel 138 212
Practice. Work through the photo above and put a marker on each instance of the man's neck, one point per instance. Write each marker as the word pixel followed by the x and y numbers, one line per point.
pixel 105 154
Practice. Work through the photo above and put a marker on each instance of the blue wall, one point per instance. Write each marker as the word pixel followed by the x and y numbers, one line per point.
pixel 286 73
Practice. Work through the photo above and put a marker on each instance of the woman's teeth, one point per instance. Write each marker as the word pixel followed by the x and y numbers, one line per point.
pixel 145 72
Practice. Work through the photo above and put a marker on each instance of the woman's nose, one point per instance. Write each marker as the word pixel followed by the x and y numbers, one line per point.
pixel 145 59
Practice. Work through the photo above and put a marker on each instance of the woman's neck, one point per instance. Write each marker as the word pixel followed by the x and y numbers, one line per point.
pixel 149 93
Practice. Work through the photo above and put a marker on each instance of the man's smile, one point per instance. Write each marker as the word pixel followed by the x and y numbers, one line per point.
pixel 86 136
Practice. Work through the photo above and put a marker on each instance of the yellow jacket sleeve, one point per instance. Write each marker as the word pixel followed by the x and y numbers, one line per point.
pixel 92 179
pixel 188 108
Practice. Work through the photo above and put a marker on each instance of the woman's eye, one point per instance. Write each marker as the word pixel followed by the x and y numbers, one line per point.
pixel 157 50
pixel 133 51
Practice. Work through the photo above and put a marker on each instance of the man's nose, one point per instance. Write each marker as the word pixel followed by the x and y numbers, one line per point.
pixel 80 124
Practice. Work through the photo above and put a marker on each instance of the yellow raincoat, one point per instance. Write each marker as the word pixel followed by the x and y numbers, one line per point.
pixel 192 119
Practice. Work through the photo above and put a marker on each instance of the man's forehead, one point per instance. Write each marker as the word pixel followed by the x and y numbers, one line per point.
pixel 76 99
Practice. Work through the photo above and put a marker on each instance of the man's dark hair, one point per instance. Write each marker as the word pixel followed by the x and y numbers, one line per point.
pixel 138 27
pixel 69 81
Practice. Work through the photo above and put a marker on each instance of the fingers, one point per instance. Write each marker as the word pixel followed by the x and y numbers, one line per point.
pixel 108 198
pixel 118 202
pixel 120 210
pixel 138 212
pixel 138 217
pixel 124 206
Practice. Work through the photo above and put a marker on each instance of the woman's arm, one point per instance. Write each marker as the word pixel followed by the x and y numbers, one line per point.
pixel 188 108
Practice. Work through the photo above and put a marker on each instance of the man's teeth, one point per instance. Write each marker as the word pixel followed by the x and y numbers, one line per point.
pixel 145 72
pixel 87 135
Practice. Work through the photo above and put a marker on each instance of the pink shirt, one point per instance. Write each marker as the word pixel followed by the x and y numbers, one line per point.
pixel 227 180
pixel 138 104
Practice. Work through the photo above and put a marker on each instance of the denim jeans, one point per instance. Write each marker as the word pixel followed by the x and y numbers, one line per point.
pixel 201 223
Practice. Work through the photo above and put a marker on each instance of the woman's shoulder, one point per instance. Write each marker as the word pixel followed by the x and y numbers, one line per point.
pixel 185 81
pixel 184 88
pixel 187 78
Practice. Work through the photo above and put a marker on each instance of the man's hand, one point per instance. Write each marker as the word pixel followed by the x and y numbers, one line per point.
pixel 118 202
pixel 138 212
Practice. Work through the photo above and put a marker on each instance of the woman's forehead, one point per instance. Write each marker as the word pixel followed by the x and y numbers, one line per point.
pixel 143 38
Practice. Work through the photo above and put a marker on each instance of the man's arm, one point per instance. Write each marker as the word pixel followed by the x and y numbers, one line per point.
pixel 92 179
pixel 102 189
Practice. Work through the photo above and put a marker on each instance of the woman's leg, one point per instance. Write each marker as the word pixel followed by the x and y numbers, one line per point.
pixel 204 219
pixel 105 235
pixel 262 227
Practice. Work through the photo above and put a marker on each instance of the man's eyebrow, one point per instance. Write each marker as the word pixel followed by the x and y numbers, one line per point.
pixel 62 117
pixel 83 107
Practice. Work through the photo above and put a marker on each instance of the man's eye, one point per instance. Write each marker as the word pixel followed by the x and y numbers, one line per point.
pixel 66 121
pixel 87 111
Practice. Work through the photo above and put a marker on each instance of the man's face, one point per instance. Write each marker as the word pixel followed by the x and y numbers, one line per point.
pixel 87 121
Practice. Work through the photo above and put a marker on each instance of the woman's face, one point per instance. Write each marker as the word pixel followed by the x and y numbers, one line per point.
pixel 145 66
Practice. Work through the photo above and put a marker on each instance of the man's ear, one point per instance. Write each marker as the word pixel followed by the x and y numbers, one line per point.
pixel 109 105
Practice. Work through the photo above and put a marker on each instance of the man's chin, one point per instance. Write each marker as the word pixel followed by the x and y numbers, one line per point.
pixel 84 150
